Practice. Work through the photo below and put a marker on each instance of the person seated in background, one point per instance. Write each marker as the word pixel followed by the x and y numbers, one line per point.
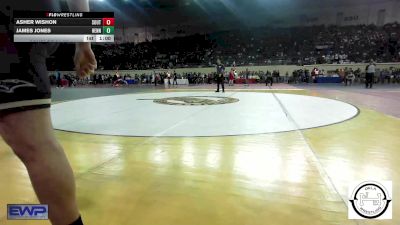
pixel 210 78
pixel 396 76
pixel 59 79
pixel 268 79
pixel 381 76
pixel 169 78
pixel 247 75
pixel 307 76
pixel 115 77
pixel 390 75
pixel 342 73
pixel 294 77
pixel 118 80
pixel 70 79
pixel 350 77
pixel 175 82
pixel 287 77
pixel 314 73
pixel 357 74
pixel 231 77
pixel 156 78
pixel 276 76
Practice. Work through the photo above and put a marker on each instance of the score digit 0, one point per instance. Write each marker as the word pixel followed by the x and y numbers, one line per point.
pixel 108 30
pixel 108 21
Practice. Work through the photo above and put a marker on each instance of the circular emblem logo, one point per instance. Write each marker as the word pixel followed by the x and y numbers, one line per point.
pixel 196 100
pixel 370 200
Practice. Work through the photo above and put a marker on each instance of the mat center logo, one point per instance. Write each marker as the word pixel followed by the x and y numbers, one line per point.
pixel 196 100
pixel 370 200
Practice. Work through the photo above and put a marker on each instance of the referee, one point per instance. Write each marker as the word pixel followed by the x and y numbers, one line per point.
pixel 220 75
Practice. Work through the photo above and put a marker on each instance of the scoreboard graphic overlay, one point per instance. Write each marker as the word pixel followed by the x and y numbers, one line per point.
pixel 43 26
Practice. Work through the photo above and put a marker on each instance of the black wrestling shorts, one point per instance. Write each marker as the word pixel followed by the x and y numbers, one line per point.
pixel 26 86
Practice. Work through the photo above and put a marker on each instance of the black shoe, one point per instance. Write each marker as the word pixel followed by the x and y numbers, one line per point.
pixel 77 222
pixel 216 91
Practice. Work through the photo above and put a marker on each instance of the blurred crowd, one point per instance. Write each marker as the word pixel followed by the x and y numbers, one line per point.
pixel 347 76
pixel 255 46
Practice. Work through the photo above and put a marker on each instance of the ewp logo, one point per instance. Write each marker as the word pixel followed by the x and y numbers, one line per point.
pixel 27 212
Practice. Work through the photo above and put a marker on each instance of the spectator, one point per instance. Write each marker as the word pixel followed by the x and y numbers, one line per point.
pixel 349 77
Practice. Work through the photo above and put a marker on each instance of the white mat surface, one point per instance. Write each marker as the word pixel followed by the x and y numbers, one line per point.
pixel 255 113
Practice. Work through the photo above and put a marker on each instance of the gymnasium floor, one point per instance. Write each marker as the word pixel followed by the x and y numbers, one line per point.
pixel 234 173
